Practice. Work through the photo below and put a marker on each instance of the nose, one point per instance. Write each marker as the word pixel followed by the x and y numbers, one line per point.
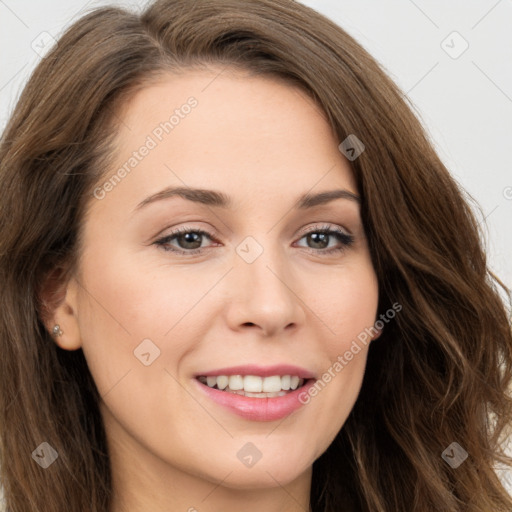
pixel 263 295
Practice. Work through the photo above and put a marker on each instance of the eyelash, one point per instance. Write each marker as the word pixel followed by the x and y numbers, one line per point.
pixel 345 239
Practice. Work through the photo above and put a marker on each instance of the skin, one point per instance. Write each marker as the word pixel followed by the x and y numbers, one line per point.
pixel 264 143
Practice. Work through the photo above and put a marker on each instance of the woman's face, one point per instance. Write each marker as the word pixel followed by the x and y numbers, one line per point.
pixel 262 292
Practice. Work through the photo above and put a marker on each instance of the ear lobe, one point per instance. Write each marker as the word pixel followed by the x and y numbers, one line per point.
pixel 378 334
pixel 58 306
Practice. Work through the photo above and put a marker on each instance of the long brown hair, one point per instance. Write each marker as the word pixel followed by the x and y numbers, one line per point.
pixel 439 373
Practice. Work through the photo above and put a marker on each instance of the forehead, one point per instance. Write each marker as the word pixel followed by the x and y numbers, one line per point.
pixel 225 129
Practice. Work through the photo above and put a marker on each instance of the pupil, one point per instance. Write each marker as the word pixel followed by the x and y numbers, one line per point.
pixel 190 238
pixel 319 238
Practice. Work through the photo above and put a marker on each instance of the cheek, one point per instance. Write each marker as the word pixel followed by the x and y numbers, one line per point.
pixel 125 311
pixel 133 300
pixel 333 395
pixel 347 306
pixel 345 300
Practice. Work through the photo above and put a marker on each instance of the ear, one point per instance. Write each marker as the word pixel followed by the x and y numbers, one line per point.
pixel 378 329
pixel 58 306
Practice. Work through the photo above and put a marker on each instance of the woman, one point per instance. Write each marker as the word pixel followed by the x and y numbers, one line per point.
pixel 236 276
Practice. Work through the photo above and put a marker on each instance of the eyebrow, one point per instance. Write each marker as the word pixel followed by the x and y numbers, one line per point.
pixel 221 200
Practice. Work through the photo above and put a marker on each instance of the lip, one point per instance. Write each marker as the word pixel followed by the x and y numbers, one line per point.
pixel 257 409
pixel 261 371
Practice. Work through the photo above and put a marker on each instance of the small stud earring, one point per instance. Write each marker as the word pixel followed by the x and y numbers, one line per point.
pixel 57 331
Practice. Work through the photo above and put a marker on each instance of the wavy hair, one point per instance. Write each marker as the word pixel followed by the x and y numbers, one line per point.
pixel 440 372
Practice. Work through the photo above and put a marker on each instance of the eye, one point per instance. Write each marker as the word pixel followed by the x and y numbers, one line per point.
pixel 321 237
pixel 190 240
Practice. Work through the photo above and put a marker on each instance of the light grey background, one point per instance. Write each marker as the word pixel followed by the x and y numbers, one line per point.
pixel 465 101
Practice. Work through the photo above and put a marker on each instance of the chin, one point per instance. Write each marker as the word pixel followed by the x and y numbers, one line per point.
pixel 271 470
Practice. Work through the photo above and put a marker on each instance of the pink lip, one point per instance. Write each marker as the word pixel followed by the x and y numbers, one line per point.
pixel 257 409
pixel 262 371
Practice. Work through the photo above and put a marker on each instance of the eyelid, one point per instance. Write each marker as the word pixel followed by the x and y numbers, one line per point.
pixel 320 226
pixel 323 226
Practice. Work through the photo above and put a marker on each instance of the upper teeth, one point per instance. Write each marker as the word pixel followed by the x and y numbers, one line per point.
pixel 253 383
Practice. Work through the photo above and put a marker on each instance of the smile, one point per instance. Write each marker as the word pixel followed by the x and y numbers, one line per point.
pixel 264 406
pixel 254 386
